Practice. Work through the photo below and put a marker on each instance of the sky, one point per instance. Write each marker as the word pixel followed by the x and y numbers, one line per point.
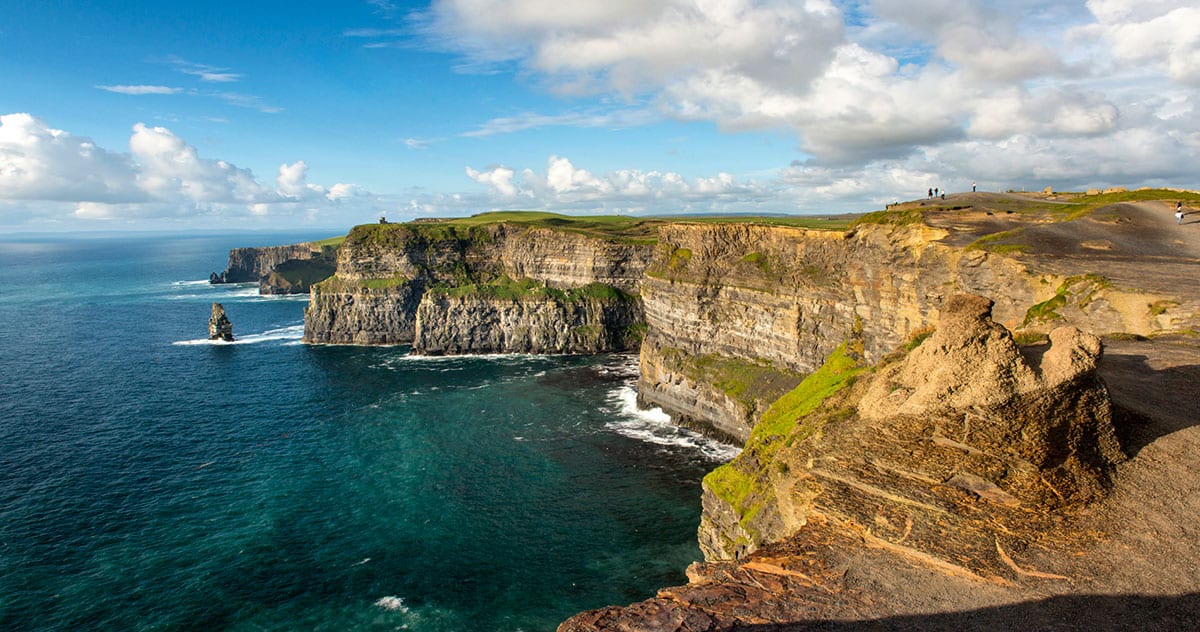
pixel 138 115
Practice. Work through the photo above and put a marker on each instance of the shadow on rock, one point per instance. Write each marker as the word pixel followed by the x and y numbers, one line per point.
pixel 1094 613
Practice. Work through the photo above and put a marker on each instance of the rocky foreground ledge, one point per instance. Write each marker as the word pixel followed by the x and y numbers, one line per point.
pixel 967 484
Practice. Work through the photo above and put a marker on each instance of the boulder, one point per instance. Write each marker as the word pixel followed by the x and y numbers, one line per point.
pixel 1043 406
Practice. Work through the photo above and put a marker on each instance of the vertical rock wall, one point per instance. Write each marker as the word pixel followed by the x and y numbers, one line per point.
pixel 512 290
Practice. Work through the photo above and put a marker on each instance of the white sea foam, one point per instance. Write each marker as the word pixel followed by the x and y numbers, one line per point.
pixel 230 292
pixel 291 334
pixel 654 426
pixel 392 602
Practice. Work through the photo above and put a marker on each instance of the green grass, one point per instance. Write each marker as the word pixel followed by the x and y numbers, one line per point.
pixel 759 260
pixel 304 272
pixel 995 242
pixel 790 419
pixel 1158 308
pixel 1072 206
pixel 745 381
pixel 781 419
pixel 332 242
pixel 839 223
pixel 505 288
pixel 894 217
pixel 1086 285
pixel 679 258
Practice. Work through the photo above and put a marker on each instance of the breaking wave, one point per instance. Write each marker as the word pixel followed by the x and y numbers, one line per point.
pixel 654 426
pixel 289 334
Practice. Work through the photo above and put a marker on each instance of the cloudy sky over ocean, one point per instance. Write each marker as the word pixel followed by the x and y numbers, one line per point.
pixel 225 115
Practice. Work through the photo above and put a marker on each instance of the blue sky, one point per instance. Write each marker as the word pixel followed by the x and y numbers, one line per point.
pixel 141 115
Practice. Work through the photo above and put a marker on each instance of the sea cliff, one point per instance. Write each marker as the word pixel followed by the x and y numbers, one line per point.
pixel 290 269
pixel 485 286
pixel 825 351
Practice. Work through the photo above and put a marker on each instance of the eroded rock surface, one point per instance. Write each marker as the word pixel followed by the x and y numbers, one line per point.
pixel 219 327
pixel 961 464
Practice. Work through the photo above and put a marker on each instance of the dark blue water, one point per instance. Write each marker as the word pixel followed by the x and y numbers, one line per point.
pixel 150 480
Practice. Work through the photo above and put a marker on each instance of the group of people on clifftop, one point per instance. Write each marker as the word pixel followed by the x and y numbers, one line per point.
pixel 938 192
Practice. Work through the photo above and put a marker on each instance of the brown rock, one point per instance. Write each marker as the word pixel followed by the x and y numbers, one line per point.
pixel 219 327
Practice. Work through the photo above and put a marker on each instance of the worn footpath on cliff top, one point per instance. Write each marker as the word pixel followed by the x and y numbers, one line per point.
pixel 1125 562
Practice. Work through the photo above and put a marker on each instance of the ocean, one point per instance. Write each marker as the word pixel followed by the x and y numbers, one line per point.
pixel 153 480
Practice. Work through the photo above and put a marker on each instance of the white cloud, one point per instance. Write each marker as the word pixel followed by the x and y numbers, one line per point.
pixel 170 168
pixel 864 83
pixel 56 174
pixel 38 162
pixel 499 178
pixel 613 119
pixel 342 191
pixel 213 74
pixel 1161 34
pixel 141 89
pixel 564 186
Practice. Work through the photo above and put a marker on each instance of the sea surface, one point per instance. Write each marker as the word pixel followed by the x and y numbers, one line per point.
pixel 153 480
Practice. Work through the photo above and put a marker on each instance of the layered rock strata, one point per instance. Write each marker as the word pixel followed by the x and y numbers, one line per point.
pixel 1021 428
pixel 788 296
pixel 249 265
pixel 961 458
pixel 448 288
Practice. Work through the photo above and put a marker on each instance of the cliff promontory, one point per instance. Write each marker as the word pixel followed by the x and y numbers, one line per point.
pixel 290 269
pixel 496 283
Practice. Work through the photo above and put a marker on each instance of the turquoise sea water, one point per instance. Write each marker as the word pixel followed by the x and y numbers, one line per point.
pixel 151 480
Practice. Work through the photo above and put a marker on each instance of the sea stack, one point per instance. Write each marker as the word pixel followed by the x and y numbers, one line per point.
pixel 219 327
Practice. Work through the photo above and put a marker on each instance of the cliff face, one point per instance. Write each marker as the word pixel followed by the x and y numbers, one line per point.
pixel 957 458
pixel 536 324
pixel 249 265
pixel 344 312
pixel 448 288
pixel 787 297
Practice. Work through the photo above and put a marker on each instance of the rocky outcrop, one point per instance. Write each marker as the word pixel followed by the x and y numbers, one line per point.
pixel 1043 408
pixel 788 296
pixel 542 323
pixel 954 465
pixel 219 327
pixel 297 276
pixel 448 288
pixel 250 265
pixel 1020 428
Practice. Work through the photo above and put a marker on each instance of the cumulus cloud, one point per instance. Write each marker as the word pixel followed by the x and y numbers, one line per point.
pixel 38 162
pixel 563 185
pixel 161 176
pixel 860 83
pixel 1160 34
pixel 500 179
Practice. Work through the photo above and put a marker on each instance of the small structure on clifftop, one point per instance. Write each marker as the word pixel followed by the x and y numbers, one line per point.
pixel 219 327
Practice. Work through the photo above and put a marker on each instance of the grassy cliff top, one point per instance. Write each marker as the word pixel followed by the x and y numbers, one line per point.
pixel 612 227
pixel 1024 207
